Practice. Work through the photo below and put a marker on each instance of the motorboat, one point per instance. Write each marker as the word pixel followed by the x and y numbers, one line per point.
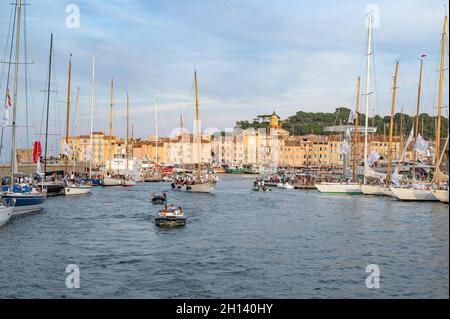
pixel 78 190
pixel 170 217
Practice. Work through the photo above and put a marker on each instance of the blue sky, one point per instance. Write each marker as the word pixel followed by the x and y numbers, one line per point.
pixel 252 57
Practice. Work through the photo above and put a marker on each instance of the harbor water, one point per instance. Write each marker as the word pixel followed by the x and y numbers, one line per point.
pixel 237 244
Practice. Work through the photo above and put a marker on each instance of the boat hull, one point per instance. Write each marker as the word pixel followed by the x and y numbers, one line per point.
pixel 339 188
pixel 196 188
pixel 441 195
pixel 170 221
pixel 413 194
pixel 285 186
pixel 129 183
pixel 25 203
pixel 5 214
pixel 376 190
pixel 111 182
pixel 78 190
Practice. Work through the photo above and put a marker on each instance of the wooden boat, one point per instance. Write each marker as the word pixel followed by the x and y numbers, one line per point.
pixel 420 192
pixel 170 217
pixel 206 187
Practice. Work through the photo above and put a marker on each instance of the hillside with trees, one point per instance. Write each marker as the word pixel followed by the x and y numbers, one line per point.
pixel 303 123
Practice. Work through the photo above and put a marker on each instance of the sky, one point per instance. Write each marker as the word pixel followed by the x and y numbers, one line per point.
pixel 252 57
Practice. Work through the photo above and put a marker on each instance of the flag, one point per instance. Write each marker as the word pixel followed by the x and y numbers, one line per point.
pixel 421 145
pixel 67 150
pixel 374 156
pixel 396 177
pixel 8 97
pixel 38 167
pixel 5 120
pixel 344 147
pixel 351 117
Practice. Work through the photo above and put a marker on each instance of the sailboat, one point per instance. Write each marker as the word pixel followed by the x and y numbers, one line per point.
pixel 128 180
pixel 72 188
pixel 198 183
pixel 383 189
pixel 353 187
pixel 423 191
pixel 110 179
pixel 24 199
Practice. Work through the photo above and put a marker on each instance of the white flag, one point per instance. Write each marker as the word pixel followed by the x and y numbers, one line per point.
pixel 396 178
pixel 67 150
pixel 38 166
pixel 351 117
pixel 5 120
pixel 344 147
pixel 421 145
pixel 374 156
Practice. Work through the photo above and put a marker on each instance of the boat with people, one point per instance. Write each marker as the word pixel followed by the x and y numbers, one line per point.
pixel 159 199
pixel 260 186
pixel 170 216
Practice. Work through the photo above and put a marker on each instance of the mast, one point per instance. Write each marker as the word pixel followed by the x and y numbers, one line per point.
pixel 401 132
pixel 16 79
pixel 441 80
pixel 126 143
pixel 68 111
pixel 110 126
pixel 92 117
pixel 199 172
pixel 391 127
pixel 369 53
pixel 356 142
pixel 156 128
pixel 182 146
pixel 417 118
pixel 48 104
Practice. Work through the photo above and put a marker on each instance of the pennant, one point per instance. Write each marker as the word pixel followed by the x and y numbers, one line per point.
pixel 345 147
pixel 38 167
pixel 8 98
pixel 374 156
pixel 351 117
pixel 421 145
pixel 67 150
pixel 396 177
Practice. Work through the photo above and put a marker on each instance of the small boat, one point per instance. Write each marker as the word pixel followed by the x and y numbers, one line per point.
pixel 5 213
pixel 110 181
pixel 129 182
pixel 78 190
pixel 285 186
pixel 261 189
pixel 206 187
pixel 170 217
pixel 159 199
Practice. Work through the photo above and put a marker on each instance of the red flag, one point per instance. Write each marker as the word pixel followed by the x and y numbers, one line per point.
pixel 37 151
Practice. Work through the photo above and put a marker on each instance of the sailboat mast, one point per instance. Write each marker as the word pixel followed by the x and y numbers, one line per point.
pixel 369 54
pixel 127 119
pixel 182 146
pixel 199 174
pixel 441 81
pixel 391 126
pixel 110 126
pixel 417 118
pixel 48 104
pixel 92 118
pixel 401 131
pixel 156 128
pixel 16 79
pixel 68 111
pixel 356 142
